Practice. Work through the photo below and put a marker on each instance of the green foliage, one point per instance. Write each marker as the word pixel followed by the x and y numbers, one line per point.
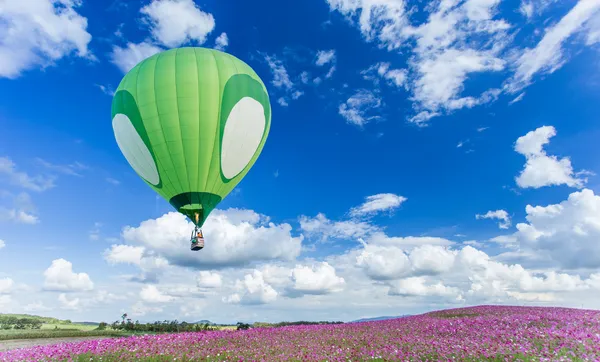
pixel 242 326
pixel 102 326
pixel 30 316
pixel 58 333
pixel 19 322
pixel 165 326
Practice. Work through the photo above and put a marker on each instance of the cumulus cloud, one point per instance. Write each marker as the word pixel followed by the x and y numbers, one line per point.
pixel 69 304
pixel 38 33
pixel 125 58
pixel 465 274
pixel 389 262
pixel 568 232
pixel 252 290
pixel 222 41
pixel 151 294
pixel 2 244
pixel 139 309
pixel 316 279
pixel 60 277
pixel 541 169
pixel 6 285
pixel 207 279
pixel 378 203
pixel 501 215
pixel 175 22
pixel 240 237
pixel 172 23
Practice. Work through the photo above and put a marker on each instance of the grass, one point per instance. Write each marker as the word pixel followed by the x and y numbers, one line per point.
pixel 54 330
pixel 74 326
pixel 61 333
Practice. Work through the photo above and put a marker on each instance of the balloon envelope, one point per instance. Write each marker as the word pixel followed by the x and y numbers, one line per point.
pixel 191 122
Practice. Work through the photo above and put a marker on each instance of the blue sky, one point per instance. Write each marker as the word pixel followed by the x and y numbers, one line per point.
pixel 394 125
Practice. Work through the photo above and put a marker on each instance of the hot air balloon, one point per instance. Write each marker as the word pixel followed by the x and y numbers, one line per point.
pixel 191 122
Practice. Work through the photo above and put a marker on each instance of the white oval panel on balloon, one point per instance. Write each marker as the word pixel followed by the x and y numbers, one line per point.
pixel 242 135
pixel 133 148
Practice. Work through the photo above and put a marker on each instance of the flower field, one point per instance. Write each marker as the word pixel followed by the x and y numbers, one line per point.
pixel 488 333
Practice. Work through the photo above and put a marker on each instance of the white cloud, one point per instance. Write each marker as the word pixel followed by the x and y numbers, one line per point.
pixel 151 294
pixel 526 8
pixel 207 279
pixel 22 209
pixel 282 102
pixel 176 22
pixel 113 181
pixel 18 216
pixel 222 41
pixel 356 109
pixel 395 77
pixel 416 286
pixel 548 55
pixel 517 99
pixel 36 307
pixel 139 309
pixel 442 75
pixel 380 238
pixel 568 232
pixel 233 238
pixel 540 169
pixel 94 233
pixel 325 57
pixel 497 214
pixel 106 90
pixel 2 244
pixel 60 277
pixel 72 169
pixel 6 285
pixel 380 20
pixel 315 279
pixel 252 290
pixel 18 178
pixel 73 304
pixel 128 57
pixel 38 33
pixel 378 203
pixel 321 225
pixel 124 254
pixel 281 79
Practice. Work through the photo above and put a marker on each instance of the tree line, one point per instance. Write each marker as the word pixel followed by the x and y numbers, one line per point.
pixel 166 326
pixel 10 322
pixel 174 326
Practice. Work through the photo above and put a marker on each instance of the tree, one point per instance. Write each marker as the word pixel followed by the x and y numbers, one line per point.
pixel 242 326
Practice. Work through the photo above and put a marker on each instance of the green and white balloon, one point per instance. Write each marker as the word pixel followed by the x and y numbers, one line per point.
pixel 191 122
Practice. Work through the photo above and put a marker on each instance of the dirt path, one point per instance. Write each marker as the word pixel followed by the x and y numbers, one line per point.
pixel 24 343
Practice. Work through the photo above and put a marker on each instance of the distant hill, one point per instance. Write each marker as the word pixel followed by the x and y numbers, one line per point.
pixel 383 318
pixel 204 321
pixel 49 320
pixel 87 323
